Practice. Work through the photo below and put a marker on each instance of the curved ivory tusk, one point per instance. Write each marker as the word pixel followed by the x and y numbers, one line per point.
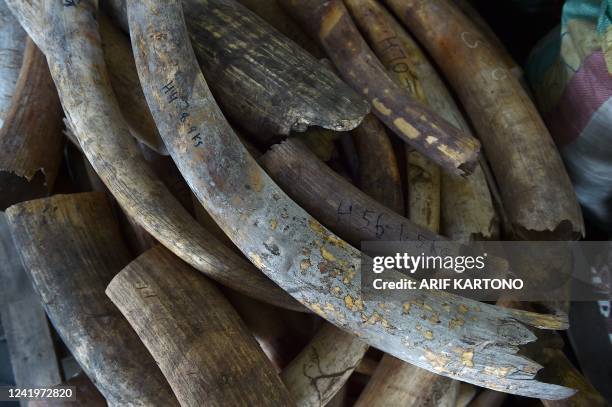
pixel 414 123
pixel 293 248
pixel 65 243
pixel 77 66
pixel 264 81
pixel 537 193
pixel 12 44
pixel 31 136
pixel 197 338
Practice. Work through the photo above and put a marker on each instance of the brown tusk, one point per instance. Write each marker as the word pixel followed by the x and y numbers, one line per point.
pixel 536 191
pixel 105 139
pixel 416 124
pixel 321 142
pixel 64 242
pixel 264 81
pixel 31 136
pixel 291 247
pixel 198 340
pixel 379 173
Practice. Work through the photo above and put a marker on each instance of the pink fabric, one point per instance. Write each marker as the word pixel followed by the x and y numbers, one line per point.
pixel 586 91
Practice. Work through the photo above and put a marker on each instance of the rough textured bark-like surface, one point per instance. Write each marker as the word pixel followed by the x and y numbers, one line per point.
pixel 536 190
pixel 77 66
pixel 124 80
pixel 28 337
pixel 341 207
pixel 379 174
pixel 264 81
pixel 66 244
pixel 12 44
pixel 465 202
pixel 201 345
pixel 273 13
pixel 396 383
pixel 321 369
pixel 31 135
pixel 295 250
pixel 420 127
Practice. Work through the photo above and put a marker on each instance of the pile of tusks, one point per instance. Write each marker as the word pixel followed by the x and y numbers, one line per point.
pixel 226 233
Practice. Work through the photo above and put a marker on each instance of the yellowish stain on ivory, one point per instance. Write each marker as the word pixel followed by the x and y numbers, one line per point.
pixel 348 301
pixel 467 358
pixel 318 310
pixel 406 128
pixel 497 371
pixel 438 362
pixel 455 323
pixel 406 308
pixel 380 106
pixel 326 254
pixel 256 260
pixel 305 265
